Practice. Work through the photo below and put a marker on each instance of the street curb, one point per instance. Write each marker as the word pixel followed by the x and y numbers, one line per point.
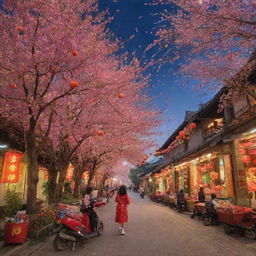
pixel 15 249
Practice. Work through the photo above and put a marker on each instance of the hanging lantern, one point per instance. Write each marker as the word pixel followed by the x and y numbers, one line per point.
pixel 73 84
pixel 242 151
pixel 181 133
pixel 20 29
pixel 13 86
pixel 100 133
pixel 192 126
pixel 121 95
pixel 246 159
pixel 74 52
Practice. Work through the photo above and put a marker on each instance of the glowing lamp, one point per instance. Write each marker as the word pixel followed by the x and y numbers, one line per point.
pixel 73 84
pixel 13 86
pixel 74 52
pixel 100 133
pixel 121 95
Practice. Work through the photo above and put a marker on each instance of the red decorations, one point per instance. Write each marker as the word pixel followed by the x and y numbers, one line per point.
pixel 11 167
pixel 100 133
pixel 192 126
pixel 209 165
pixel 74 52
pixel 13 86
pixel 242 151
pixel 181 133
pixel 70 172
pixel 20 29
pixel 214 175
pixel 218 188
pixel 73 84
pixel 246 159
pixel 121 95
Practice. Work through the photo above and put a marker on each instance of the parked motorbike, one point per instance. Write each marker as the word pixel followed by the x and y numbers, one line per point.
pixel 72 229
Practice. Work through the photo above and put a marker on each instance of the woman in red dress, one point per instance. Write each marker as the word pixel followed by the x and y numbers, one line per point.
pixel 122 200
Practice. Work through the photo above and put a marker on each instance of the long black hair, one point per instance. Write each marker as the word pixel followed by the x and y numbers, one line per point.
pixel 122 190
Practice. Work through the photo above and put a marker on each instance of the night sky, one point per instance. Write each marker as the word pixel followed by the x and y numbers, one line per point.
pixel 168 90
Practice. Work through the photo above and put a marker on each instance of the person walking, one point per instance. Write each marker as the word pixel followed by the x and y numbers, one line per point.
pixel 122 200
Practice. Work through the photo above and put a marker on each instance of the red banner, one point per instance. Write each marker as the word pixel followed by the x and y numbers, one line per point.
pixel 11 169
pixel 70 172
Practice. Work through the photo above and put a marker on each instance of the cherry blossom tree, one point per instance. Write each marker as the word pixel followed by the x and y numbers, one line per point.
pixel 210 39
pixel 48 49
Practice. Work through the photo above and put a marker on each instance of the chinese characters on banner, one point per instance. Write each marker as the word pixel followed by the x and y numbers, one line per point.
pixel 11 169
pixel 70 172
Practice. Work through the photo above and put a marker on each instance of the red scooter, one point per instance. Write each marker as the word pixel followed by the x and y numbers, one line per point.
pixel 72 228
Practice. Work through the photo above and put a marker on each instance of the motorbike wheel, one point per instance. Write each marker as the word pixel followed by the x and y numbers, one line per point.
pixel 100 228
pixel 60 244
pixel 227 229
pixel 207 220
pixel 250 234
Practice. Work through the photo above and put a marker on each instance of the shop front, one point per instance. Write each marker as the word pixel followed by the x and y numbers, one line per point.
pixel 247 174
pixel 211 171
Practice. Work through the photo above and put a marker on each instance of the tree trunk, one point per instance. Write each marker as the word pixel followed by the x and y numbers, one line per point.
pixel 77 179
pixel 102 182
pixel 53 173
pixel 60 184
pixel 91 176
pixel 32 179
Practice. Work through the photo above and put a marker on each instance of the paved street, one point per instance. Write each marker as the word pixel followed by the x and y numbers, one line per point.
pixel 156 230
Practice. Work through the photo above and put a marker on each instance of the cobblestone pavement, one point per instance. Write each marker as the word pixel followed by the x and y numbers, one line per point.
pixel 156 230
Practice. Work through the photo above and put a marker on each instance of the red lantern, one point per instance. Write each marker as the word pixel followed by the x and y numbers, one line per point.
pixel 73 84
pixel 181 133
pixel 20 29
pixel 121 95
pixel 254 161
pixel 74 52
pixel 192 126
pixel 13 86
pixel 246 159
pixel 100 133
pixel 242 151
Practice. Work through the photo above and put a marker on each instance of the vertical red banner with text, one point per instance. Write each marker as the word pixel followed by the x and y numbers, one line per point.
pixel 11 169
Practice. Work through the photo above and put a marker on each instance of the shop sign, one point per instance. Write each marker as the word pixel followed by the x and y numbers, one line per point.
pixel 70 172
pixel 11 169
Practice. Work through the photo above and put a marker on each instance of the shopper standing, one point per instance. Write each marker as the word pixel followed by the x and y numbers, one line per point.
pixel 122 200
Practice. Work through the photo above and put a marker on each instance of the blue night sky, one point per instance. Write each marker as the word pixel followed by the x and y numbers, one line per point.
pixel 134 17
